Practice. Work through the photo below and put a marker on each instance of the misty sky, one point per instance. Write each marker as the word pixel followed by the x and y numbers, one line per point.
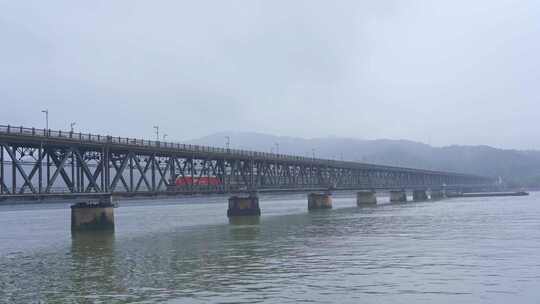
pixel 441 72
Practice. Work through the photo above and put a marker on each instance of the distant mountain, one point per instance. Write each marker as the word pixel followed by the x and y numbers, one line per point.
pixel 516 167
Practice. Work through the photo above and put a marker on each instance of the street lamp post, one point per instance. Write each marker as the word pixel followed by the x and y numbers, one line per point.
pixel 71 125
pixel 157 132
pixel 46 111
pixel 228 142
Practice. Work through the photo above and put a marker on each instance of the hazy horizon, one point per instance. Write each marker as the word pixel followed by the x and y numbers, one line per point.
pixel 232 133
pixel 441 73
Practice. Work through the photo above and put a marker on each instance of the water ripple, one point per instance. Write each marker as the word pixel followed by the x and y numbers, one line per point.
pixel 449 251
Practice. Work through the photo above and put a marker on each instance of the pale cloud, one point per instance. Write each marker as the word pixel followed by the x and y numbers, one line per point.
pixel 445 72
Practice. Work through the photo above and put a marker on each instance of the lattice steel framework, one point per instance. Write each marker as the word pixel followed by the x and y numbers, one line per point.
pixel 39 162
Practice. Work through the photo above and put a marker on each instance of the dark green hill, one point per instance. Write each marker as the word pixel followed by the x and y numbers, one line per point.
pixel 514 166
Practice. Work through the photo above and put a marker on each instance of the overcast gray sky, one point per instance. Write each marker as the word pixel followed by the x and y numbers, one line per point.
pixel 441 72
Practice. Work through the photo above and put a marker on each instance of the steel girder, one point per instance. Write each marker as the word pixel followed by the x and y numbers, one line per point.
pixel 78 168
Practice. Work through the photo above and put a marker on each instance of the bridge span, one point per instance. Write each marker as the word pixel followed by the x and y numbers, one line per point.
pixel 38 163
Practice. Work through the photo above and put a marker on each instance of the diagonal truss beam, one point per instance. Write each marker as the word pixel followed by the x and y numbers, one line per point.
pixel 33 172
pixel 60 164
pixel 142 172
pixel 162 174
pixel 11 152
pixel 119 176
pixel 84 166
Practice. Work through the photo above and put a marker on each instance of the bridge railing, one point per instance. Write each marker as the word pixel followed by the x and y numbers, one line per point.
pixel 104 139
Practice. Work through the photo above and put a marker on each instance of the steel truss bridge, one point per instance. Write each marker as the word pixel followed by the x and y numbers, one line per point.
pixel 38 163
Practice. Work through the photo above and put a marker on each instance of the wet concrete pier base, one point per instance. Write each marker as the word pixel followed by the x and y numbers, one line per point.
pixel 319 201
pixel 366 198
pixel 398 196
pixel 97 215
pixel 420 195
pixel 437 194
pixel 244 206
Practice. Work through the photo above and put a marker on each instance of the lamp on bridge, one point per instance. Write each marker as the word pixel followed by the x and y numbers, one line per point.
pixel 157 132
pixel 46 112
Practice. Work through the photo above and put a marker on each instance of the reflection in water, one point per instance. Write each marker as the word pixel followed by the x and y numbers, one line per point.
pixel 245 220
pixel 86 244
pixel 92 260
pixel 392 253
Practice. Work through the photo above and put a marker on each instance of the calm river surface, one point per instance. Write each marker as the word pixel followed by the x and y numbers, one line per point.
pixel 477 250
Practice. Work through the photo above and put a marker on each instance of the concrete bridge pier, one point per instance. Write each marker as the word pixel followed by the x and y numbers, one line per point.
pixel 452 192
pixel 98 215
pixel 319 201
pixel 366 198
pixel 437 194
pixel 420 195
pixel 398 196
pixel 244 206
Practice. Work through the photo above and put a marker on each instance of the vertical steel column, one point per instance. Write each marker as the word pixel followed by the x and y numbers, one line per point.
pixel 14 170
pixel 40 168
pixel 207 166
pixel 192 174
pixel 102 174
pixel 251 175
pixel 153 168
pixel 78 177
pixel 130 172
pixel 82 179
pixel 48 152
pixel 226 177
pixel 173 170
pixel 1 169
pixel 106 167
pixel 73 185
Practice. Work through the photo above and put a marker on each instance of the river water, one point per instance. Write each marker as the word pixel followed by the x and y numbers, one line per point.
pixel 474 250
